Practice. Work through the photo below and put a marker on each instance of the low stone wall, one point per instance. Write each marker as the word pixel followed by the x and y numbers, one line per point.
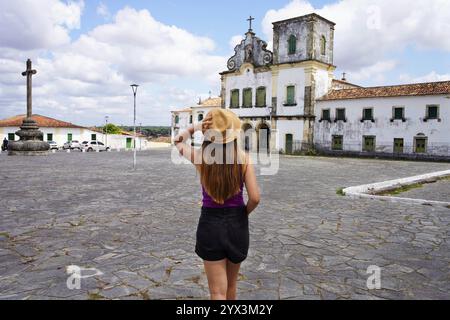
pixel 372 191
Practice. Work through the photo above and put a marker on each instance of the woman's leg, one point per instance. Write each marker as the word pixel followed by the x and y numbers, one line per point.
pixel 232 275
pixel 216 272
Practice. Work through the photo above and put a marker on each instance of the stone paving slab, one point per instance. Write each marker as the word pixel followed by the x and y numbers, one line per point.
pixel 138 229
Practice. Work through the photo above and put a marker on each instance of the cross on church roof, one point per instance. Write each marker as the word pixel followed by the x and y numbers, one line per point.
pixel 250 19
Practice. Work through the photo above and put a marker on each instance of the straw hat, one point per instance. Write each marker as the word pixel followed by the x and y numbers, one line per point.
pixel 224 128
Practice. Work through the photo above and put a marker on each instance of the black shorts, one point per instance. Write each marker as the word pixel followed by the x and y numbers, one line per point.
pixel 223 233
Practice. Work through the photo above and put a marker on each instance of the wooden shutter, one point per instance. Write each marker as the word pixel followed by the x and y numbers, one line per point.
pixel 247 97
pixel 292 42
pixel 261 97
pixel 234 98
pixel 290 95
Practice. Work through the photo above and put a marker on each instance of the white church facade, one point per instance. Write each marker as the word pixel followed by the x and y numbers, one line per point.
pixel 291 93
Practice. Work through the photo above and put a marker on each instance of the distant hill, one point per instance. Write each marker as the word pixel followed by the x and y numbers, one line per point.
pixel 150 131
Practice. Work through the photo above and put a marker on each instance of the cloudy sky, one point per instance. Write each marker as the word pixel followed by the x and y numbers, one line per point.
pixel 87 53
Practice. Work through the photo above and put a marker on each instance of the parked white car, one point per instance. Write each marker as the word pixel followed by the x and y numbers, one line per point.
pixel 95 146
pixel 74 144
pixel 53 145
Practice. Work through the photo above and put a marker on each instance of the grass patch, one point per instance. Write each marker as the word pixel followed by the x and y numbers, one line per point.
pixel 5 234
pixel 340 192
pixel 145 295
pixel 242 277
pixel 401 189
pixel 195 279
pixel 95 296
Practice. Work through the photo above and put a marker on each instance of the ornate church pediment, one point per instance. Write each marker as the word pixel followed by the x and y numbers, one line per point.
pixel 251 50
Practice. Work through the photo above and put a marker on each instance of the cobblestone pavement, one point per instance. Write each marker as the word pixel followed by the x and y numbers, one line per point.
pixel 437 191
pixel 138 229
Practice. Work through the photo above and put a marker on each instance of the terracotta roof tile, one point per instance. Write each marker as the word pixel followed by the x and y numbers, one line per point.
pixel 211 102
pixel 417 89
pixel 43 122
pixel 340 84
pixel 182 110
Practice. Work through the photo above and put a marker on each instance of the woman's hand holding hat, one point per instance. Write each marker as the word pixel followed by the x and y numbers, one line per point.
pixel 207 123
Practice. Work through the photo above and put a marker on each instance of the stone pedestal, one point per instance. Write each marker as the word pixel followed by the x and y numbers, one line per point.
pixel 30 143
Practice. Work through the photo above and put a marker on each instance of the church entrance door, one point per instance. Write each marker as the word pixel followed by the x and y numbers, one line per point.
pixel 289 141
pixel 264 138
pixel 247 136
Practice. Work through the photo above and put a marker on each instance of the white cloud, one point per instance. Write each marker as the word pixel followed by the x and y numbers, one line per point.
pixel 91 75
pixel 44 24
pixel 374 72
pixel 430 77
pixel 103 11
pixel 293 9
pixel 367 31
pixel 148 48
pixel 235 40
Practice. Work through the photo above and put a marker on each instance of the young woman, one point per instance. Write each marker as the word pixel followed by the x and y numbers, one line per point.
pixel 222 232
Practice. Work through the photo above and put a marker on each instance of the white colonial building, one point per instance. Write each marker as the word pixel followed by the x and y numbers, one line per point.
pixel 292 95
pixel 404 119
pixel 182 119
pixel 62 132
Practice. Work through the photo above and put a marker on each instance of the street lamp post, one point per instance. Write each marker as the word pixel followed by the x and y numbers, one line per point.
pixel 140 134
pixel 134 87
pixel 270 108
pixel 106 131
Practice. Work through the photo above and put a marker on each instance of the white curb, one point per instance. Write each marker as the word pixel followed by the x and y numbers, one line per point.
pixel 369 190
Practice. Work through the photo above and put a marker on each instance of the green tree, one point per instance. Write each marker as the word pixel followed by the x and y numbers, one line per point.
pixel 112 129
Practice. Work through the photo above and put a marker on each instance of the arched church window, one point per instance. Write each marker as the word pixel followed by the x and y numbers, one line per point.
pixel 200 117
pixel 323 45
pixel 292 43
pixel 177 119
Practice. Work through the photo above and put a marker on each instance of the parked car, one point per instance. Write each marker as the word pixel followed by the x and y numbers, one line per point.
pixel 95 145
pixel 84 144
pixel 74 144
pixel 53 145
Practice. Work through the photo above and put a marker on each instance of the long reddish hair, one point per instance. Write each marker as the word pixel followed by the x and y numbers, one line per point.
pixel 223 180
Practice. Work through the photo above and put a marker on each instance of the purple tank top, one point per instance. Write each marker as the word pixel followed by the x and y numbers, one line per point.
pixel 235 201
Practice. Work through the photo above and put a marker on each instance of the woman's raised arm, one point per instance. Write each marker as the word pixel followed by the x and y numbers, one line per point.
pixel 181 139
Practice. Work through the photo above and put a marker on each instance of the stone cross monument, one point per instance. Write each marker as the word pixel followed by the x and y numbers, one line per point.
pixel 31 139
